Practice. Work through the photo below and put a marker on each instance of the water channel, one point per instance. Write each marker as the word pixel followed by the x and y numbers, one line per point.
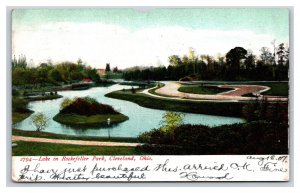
pixel 140 118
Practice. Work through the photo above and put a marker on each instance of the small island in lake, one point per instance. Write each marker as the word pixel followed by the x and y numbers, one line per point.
pixel 87 112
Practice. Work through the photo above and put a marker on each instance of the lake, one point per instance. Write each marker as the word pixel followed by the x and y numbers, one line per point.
pixel 140 118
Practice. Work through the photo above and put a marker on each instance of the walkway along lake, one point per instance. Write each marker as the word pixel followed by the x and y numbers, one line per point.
pixel 140 118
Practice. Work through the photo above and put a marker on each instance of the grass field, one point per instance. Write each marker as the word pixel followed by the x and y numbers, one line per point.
pixel 202 89
pixel 210 108
pixel 50 149
pixel 81 120
pixel 276 88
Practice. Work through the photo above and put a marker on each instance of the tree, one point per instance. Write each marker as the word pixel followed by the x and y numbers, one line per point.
pixel 93 74
pixel 171 120
pixel 107 68
pixel 175 60
pixel 282 54
pixel 20 63
pixel 54 75
pixel 266 56
pixel 79 61
pixel 193 58
pixel 40 121
pixel 234 56
pixel 115 70
pixel 250 61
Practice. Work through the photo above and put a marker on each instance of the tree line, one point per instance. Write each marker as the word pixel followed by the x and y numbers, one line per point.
pixel 48 73
pixel 237 64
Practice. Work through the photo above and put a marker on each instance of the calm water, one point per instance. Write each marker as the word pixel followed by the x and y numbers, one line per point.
pixel 140 119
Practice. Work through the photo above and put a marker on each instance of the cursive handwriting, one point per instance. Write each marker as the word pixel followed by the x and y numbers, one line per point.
pixel 194 176
pixel 146 168
pixel 127 176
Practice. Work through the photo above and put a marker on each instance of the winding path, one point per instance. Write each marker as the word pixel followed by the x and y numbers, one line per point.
pixel 171 90
pixel 73 142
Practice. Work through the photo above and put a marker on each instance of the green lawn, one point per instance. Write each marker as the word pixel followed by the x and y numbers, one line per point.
pixel 50 149
pixel 202 89
pixel 18 116
pixel 81 120
pixel 70 137
pixel 211 108
pixel 277 88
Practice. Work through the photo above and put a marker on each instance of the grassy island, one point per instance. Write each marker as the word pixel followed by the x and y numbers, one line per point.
pixel 87 112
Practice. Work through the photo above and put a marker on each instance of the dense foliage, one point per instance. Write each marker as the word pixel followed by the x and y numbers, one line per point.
pixel 47 73
pixel 260 137
pixel 19 105
pixel 237 64
pixel 85 106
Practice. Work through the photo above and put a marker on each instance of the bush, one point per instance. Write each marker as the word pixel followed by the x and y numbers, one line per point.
pixel 276 112
pixel 19 105
pixel 85 106
pixel 40 121
pixel 257 137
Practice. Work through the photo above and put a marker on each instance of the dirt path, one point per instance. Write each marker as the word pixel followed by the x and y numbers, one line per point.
pixel 171 89
pixel 73 142
pixel 240 90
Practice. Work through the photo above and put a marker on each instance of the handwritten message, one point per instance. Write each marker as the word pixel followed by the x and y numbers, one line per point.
pixel 150 168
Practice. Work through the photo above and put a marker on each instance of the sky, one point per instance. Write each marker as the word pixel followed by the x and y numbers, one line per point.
pixel 142 36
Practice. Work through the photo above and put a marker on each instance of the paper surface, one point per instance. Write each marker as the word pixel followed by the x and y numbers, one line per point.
pixel 191 99
pixel 150 168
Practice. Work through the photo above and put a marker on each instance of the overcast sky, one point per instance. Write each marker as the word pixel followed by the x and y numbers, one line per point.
pixel 130 37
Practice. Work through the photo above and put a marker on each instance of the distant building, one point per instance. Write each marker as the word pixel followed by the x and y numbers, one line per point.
pixel 101 71
pixel 86 80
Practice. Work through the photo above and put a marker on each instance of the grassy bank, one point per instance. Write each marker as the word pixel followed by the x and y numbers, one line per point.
pixel 276 88
pixel 42 98
pixel 50 149
pixel 20 116
pixel 70 137
pixel 210 108
pixel 81 120
pixel 202 89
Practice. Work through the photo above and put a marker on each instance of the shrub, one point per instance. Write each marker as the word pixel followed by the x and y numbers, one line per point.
pixel 40 121
pixel 85 106
pixel 19 105
pixel 256 137
pixel 171 120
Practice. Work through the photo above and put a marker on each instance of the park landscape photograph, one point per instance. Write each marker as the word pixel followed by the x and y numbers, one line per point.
pixel 150 81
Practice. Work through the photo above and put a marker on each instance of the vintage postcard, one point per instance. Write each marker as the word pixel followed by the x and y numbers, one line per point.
pixel 150 94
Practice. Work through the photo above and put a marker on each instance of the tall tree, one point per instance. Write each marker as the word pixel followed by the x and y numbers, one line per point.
pixel 282 54
pixel 21 62
pixel 175 60
pixel 234 56
pixel 107 68
pixel 250 60
pixel 79 61
pixel 115 69
pixel 266 56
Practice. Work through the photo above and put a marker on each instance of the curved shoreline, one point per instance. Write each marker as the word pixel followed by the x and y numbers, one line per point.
pixel 170 90
pixel 82 121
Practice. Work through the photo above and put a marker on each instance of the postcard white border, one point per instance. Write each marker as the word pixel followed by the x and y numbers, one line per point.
pixel 5 139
